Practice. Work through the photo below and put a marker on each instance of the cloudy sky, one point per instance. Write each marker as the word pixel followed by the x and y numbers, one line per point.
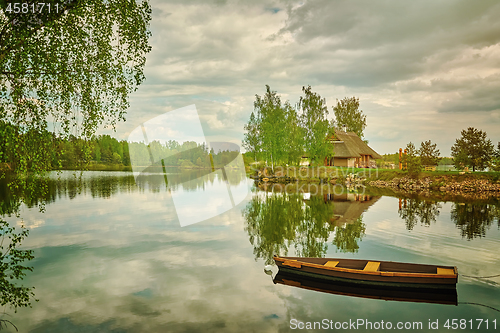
pixel 422 70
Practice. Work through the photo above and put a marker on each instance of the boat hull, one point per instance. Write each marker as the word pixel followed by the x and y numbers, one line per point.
pixel 358 271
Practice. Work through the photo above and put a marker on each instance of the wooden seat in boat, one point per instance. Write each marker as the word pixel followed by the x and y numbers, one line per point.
pixel 445 271
pixel 331 263
pixel 372 266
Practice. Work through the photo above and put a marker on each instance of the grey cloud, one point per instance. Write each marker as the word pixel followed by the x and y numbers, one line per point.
pixel 471 105
pixel 431 55
pixel 486 85
pixel 480 95
pixel 381 42
pixel 468 94
pixel 368 24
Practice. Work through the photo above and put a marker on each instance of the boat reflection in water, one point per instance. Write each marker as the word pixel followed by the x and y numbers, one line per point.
pixel 371 279
pixel 388 293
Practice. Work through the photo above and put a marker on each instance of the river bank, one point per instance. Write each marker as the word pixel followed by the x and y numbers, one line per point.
pixel 436 196
pixel 426 184
pixel 320 174
pixel 487 183
pixel 467 185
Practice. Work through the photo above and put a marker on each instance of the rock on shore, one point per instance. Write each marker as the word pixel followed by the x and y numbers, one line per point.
pixel 426 184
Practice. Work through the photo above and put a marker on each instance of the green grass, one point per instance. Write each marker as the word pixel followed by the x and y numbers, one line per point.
pixel 315 173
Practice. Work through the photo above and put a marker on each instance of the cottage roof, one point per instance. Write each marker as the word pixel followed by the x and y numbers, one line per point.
pixel 350 145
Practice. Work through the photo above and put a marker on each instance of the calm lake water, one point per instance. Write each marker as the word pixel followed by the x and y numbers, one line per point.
pixel 111 256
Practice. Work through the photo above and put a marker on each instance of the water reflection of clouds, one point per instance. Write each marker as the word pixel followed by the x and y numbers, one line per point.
pixel 31 223
pixel 124 263
pixel 191 280
pixel 83 219
pixel 95 256
pixel 196 206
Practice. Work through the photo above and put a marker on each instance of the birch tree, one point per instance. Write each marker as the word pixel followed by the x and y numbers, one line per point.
pixel 347 113
pixel 315 125
pixel 70 64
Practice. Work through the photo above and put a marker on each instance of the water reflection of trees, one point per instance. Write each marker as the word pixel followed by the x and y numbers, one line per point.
pixel 417 210
pixel 48 190
pixel 13 260
pixel 277 221
pixel 13 267
pixel 188 180
pixel 473 219
pixel 271 223
pixel 346 238
pixel 105 185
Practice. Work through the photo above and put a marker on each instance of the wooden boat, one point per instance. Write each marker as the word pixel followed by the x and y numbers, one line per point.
pixel 371 271
pixel 387 293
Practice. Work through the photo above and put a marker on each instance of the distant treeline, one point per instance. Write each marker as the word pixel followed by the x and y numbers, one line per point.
pixel 189 154
pixel 72 152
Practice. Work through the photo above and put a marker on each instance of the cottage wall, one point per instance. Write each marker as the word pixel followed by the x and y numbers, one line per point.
pixel 343 162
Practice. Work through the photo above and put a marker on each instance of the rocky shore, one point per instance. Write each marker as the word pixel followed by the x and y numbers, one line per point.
pixel 427 184
pixel 467 185
pixel 274 179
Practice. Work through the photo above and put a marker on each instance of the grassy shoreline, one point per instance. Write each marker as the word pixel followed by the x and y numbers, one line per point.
pixel 322 172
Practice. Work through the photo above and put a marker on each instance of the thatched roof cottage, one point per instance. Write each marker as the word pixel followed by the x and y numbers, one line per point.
pixel 350 151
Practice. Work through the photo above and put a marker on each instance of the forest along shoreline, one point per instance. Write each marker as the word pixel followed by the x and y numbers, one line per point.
pixel 484 184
